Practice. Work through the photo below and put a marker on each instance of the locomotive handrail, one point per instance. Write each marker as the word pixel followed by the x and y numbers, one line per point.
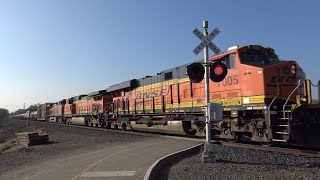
pixel 278 88
pixel 283 108
pixel 275 96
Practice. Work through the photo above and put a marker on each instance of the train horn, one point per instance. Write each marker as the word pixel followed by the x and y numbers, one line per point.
pixel 195 72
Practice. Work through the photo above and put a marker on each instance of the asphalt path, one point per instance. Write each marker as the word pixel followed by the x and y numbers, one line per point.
pixel 121 161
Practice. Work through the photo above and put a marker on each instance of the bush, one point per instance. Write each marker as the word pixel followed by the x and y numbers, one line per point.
pixel 4 114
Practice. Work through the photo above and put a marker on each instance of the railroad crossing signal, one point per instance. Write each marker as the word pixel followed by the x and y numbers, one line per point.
pixel 217 72
pixel 196 71
pixel 206 41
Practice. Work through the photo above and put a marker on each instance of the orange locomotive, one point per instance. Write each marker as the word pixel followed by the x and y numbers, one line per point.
pixel 56 112
pixel 260 95
pixel 81 110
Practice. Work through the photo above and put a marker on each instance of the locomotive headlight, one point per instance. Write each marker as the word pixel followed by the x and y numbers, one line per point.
pixel 293 69
pixel 303 99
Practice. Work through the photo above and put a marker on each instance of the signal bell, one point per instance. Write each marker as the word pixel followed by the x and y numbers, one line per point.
pixel 195 72
pixel 218 71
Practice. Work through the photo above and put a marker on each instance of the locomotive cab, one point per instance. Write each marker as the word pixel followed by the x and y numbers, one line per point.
pixel 260 84
pixel 274 100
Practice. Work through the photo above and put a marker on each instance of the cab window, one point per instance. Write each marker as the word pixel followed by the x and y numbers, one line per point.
pixel 228 61
pixel 247 58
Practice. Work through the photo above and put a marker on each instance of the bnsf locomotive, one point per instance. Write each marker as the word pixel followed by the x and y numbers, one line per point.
pixel 264 99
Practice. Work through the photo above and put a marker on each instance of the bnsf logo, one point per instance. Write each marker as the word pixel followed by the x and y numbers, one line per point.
pixel 288 79
pixel 154 93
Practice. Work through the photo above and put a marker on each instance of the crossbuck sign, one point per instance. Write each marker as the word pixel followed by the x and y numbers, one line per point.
pixel 206 41
pixel 207 155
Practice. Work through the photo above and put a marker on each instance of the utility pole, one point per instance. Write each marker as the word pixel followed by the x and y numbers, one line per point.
pixel 27 113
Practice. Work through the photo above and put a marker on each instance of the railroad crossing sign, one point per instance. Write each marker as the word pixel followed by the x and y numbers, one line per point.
pixel 196 72
pixel 206 41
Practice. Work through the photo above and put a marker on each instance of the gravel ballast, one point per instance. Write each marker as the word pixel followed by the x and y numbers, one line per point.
pixel 63 139
pixel 239 163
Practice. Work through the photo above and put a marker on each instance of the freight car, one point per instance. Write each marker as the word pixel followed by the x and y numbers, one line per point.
pixel 43 111
pixel 33 115
pixel 19 116
pixel 27 115
pixel 263 99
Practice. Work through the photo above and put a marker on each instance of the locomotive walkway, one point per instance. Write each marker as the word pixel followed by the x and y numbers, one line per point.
pixel 119 162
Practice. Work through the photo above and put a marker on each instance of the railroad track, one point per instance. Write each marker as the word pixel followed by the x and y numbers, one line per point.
pixel 289 150
pixel 295 151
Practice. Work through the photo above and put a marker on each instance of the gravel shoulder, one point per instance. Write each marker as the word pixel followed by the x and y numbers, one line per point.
pixel 63 140
pixel 238 163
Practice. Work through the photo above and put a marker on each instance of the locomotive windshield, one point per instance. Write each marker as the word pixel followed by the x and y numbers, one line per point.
pixel 257 55
pixel 258 59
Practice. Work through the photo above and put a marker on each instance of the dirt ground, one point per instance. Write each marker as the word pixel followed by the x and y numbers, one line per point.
pixel 8 128
pixel 63 139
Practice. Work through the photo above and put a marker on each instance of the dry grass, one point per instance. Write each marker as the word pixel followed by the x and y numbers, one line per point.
pixel 7 145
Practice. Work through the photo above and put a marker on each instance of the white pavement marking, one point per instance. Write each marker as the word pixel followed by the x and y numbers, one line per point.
pixel 108 173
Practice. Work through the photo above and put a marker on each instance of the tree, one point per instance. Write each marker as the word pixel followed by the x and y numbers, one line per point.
pixel 32 108
pixel 19 111
pixel 4 113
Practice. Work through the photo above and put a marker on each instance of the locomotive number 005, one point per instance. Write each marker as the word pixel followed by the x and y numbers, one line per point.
pixel 229 81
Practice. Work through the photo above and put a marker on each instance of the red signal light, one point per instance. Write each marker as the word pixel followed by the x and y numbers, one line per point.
pixel 218 71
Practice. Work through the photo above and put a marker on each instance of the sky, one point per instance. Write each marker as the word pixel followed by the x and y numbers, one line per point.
pixel 50 50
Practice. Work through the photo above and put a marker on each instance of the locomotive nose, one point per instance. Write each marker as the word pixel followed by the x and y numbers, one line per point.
pixel 285 73
pixel 289 69
pixel 282 78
